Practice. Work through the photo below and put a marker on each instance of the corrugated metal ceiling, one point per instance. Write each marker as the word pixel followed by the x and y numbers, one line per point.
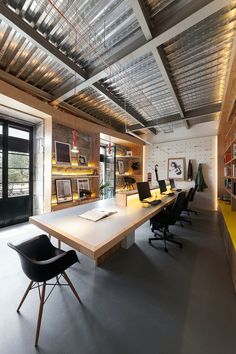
pixel 95 33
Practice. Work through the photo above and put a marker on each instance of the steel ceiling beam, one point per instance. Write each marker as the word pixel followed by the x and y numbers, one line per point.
pixel 189 115
pixel 123 58
pixel 14 81
pixel 15 21
pixel 157 54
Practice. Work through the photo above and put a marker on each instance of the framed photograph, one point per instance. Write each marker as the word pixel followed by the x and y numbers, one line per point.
pixel 121 167
pixel 83 187
pixel 62 153
pixel 82 160
pixel 64 190
pixel 176 168
pixel 129 153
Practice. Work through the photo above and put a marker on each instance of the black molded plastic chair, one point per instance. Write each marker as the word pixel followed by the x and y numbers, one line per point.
pixel 41 261
pixel 129 182
pixel 164 219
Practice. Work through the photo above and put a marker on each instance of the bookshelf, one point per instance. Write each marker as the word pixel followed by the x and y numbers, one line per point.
pixel 132 160
pixel 227 168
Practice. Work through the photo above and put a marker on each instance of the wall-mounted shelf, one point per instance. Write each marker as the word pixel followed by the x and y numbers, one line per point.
pixel 230 161
pixel 127 157
pixel 74 202
pixel 75 167
pixel 74 175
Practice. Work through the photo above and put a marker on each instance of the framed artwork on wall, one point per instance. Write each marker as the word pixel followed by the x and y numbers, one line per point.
pixel 62 153
pixel 121 167
pixel 64 190
pixel 83 187
pixel 82 160
pixel 176 168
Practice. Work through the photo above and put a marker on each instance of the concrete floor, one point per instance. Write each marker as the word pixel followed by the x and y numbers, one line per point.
pixel 141 301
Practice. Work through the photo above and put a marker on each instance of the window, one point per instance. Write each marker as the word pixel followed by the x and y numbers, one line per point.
pixel 18 162
pixel 1 160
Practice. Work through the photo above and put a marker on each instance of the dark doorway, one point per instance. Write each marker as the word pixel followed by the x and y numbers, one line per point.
pixel 16 173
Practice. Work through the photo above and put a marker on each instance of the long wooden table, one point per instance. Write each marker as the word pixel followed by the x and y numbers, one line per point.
pixel 94 239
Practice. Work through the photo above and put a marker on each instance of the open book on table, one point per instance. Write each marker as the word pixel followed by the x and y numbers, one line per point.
pixel 97 214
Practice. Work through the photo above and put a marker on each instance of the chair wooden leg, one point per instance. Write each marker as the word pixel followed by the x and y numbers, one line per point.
pixel 71 286
pixel 40 314
pixel 25 294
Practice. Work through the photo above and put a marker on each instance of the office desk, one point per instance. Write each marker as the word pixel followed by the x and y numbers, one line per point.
pixel 94 239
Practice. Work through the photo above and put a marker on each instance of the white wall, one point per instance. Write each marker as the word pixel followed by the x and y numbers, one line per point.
pixel 199 150
pixel 198 130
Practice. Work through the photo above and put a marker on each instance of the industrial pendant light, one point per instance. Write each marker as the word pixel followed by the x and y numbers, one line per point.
pixel 74 146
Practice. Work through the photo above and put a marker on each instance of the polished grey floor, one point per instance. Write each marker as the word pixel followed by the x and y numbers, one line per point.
pixel 141 301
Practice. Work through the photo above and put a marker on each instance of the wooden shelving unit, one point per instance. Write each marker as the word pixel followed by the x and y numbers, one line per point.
pixel 122 154
pixel 88 144
pixel 226 169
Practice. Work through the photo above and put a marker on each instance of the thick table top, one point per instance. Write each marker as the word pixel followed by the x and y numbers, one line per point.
pixel 95 238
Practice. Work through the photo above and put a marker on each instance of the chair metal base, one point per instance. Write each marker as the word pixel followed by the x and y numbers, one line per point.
pixel 33 285
pixel 183 219
pixel 166 237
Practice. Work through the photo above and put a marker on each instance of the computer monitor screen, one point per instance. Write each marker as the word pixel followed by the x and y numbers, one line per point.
pixel 143 190
pixel 172 183
pixel 162 186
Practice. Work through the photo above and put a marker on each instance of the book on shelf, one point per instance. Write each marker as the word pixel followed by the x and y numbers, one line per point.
pixel 97 214
pixel 234 188
pixel 227 183
pixel 234 151
pixel 227 171
pixel 234 170
pixel 227 157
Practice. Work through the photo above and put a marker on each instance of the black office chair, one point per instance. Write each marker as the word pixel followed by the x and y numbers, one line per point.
pixel 41 261
pixel 191 198
pixel 185 208
pixel 164 219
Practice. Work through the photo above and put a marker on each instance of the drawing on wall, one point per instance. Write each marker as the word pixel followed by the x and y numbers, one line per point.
pixel 64 190
pixel 82 160
pixel 121 167
pixel 176 168
pixel 62 153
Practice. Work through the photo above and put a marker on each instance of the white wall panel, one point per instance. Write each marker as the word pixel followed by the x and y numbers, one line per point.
pixel 199 150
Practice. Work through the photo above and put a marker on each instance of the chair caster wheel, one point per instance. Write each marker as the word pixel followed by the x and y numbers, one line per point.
pixel 166 250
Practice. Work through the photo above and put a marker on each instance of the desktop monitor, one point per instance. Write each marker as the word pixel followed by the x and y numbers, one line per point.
pixel 143 190
pixel 172 183
pixel 162 186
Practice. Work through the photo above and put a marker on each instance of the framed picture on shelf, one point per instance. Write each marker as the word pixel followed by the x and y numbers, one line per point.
pixel 82 160
pixel 62 153
pixel 64 190
pixel 129 153
pixel 121 167
pixel 83 188
pixel 176 168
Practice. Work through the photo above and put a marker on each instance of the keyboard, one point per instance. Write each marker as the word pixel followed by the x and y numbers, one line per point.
pixel 170 194
pixel 153 202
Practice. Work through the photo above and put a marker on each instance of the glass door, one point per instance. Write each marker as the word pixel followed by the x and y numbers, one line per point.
pixel 16 177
